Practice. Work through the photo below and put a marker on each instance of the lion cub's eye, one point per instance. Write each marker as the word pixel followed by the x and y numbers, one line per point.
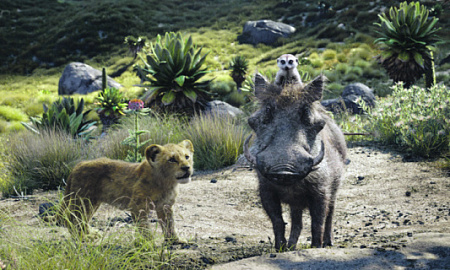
pixel 187 157
pixel 173 160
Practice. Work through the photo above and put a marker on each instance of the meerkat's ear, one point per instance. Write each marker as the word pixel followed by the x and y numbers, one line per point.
pixel 152 151
pixel 187 144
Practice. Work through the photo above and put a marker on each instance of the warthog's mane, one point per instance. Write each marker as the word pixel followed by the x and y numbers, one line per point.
pixel 288 95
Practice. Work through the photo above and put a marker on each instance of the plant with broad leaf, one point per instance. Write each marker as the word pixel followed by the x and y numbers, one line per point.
pixel 172 72
pixel 135 108
pixel 64 115
pixel 407 42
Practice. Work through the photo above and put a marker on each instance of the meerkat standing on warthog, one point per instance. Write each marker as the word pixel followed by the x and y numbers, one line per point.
pixel 288 73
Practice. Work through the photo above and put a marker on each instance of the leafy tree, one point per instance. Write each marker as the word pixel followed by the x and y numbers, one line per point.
pixel 407 41
pixel 239 66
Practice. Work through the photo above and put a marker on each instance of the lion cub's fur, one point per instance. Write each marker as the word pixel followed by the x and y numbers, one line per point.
pixel 135 187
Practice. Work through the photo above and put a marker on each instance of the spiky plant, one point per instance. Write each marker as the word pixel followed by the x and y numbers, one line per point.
pixel 239 66
pixel 64 115
pixel 110 106
pixel 172 71
pixel 407 41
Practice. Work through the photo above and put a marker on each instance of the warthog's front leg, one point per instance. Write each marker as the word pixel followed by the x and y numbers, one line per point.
pixel 272 205
pixel 296 226
pixel 318 211
pixel 328 234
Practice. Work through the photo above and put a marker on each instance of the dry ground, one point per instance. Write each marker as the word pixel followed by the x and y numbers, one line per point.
pixel 383 204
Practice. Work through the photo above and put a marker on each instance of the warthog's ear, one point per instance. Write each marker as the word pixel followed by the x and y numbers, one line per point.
pixel 261 84
pixel 187 144
pixel 152 151
pixel 314 88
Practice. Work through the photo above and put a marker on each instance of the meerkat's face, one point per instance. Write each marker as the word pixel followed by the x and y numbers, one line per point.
pixel 287 62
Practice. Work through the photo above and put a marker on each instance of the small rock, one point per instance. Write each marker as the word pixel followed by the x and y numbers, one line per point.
pixel 408 193
pixel 230 239
pixel 272 255
pixel 409 234
pixel 213 181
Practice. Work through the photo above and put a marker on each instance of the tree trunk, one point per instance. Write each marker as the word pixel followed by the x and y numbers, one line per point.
pixel 430 76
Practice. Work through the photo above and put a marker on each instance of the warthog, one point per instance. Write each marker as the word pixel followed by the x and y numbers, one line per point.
pixel 299 155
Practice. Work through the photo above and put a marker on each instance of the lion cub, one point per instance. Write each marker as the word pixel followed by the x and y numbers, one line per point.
pixel 136 187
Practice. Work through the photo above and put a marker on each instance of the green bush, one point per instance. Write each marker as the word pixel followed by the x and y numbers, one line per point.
pixel 415 119
pixel 41 161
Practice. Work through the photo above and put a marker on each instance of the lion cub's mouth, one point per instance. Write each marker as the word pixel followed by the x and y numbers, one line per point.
pixel 186 178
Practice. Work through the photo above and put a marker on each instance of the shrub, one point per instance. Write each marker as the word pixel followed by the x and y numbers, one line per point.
pixel 12 114
pixel 41 161
pixel 415 119
pixel 218 140
pixel 329 54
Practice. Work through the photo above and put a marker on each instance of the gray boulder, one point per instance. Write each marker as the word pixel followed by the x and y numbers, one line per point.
pixel 220 108
pixel 349 100
pixel 264 31
pixel 79 78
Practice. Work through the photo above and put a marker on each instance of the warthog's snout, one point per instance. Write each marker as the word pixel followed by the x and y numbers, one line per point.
pixel 285 173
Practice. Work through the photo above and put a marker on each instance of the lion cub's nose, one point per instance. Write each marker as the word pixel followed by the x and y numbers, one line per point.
pixel 185 168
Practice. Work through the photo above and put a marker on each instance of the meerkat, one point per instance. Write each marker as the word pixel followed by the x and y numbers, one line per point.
pixel 288 73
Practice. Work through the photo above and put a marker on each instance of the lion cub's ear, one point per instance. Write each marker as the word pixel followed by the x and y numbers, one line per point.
pixel 187 144
pixel 152 151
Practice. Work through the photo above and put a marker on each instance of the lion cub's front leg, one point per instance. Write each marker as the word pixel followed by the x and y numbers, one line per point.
pixel 165 217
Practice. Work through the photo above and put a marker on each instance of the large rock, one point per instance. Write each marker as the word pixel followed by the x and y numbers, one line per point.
pixel 220 108
pixel 264 31
pixel 350 98
pixel 79 78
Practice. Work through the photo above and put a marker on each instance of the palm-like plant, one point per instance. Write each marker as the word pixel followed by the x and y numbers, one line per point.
pixel 173 67
pixel 407 41
pixel 239 66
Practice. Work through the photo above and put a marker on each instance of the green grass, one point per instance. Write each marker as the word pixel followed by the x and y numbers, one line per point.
pixel 40 246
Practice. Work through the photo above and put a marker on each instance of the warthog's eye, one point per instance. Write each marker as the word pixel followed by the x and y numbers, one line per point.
pixel 268 115
pixel 173 160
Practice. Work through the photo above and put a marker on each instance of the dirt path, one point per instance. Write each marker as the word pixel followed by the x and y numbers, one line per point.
pixel 383 205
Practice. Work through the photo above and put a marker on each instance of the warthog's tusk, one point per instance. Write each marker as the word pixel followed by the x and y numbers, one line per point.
pixel 320 156
pixel 247 153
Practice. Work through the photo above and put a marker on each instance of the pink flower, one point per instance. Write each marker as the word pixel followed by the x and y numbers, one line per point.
pixel 135 104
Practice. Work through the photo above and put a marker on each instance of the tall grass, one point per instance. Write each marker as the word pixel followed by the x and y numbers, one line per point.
pixel 218 140
pixel 24 246
pixel 44 161
pixel 41 161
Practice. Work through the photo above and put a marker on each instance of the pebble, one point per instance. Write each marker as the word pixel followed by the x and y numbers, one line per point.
pixel 213 181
